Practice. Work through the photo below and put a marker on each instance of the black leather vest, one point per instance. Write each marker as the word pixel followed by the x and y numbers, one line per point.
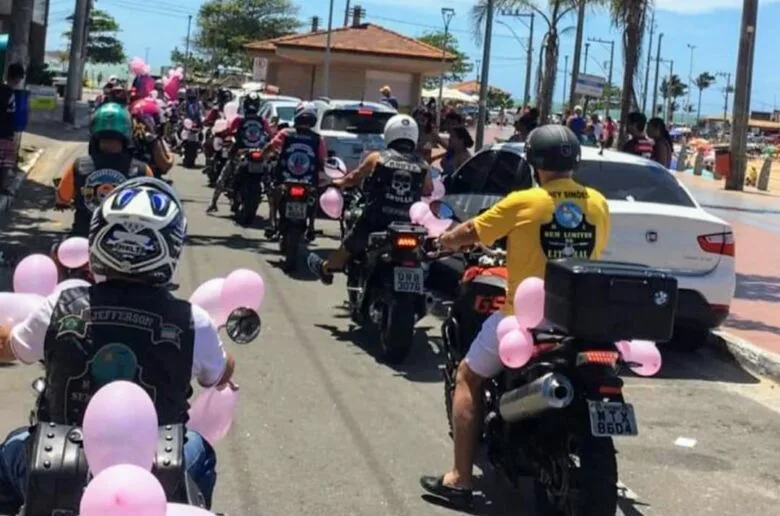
pixel 298 159
pixel 251 133
pixel 118 331
pixel 96 176
pixel 396 183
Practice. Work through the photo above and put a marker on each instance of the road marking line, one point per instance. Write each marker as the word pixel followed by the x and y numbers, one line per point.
pixel 685 442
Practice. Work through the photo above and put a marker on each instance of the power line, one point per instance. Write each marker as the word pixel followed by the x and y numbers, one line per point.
pixel 433 27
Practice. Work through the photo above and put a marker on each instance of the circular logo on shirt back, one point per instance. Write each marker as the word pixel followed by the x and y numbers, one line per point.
pixel 568 215
pixel 298 163
pixel 98 185
pixel 253 132
pixel 113 362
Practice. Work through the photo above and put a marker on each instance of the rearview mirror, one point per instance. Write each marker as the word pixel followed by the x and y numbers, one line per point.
pixel 442 210
pixel 243 325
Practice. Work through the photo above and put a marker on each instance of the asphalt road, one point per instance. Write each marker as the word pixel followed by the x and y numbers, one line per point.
pixel 325 429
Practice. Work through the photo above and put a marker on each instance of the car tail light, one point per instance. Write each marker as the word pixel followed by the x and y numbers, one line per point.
pixel 608 358
pixel 365 112
pixel 297 191
pixel 406 242
pixel 255 154
pixel 718 243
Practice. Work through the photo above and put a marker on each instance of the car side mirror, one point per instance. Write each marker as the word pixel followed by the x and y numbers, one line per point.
pixel 243 325
pixel 442 210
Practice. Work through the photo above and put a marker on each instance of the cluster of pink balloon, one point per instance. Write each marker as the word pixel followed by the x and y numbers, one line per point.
pixel 331 200
pixel 120 445
pixel 241 288
pixel 231 112
pixel 420 213
pixel 516 343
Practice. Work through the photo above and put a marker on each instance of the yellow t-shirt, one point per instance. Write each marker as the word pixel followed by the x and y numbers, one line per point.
pixel 562 219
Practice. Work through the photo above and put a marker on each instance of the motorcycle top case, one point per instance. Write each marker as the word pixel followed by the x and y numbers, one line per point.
pixel 604 301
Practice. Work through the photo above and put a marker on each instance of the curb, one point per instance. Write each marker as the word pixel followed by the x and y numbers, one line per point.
pixel 5 201
pixel 753 358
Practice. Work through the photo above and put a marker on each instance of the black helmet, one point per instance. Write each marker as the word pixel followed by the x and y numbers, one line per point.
pixel 251 103
pixel 552 147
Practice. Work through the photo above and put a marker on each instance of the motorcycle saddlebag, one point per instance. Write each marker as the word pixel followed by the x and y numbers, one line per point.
pixel 57 471
pixel 603 301
pixel 169 467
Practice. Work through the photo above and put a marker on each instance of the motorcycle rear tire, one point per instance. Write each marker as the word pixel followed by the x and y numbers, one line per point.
pixel 396 332
pixel 246 214
pixel 190 154
pixel 597 476
pixel 289 245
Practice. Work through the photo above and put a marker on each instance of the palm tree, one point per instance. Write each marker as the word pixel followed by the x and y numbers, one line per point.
pixel 671 89
pixel 631 16
pixel 702 82
pixel 552 17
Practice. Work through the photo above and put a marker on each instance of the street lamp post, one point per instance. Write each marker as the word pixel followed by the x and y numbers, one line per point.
pixel 726 92
pixel 611 44
pixel 690 73
pixel 326 79
pixel 485 75
pixel 529 49
pixel 565 76
pixel 585 64
pixel 447 13
pixel 646 85
pixel 657 70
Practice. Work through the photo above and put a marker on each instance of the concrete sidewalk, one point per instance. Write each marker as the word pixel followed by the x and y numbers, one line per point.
pixel 752 332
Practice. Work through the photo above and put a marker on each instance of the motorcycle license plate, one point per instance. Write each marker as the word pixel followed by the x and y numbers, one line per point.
pixel 408 280
pixel 255 167
pixel 295 210
pixel 608 419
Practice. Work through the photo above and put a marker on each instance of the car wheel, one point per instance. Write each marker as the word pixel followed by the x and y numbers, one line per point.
pixel 688 339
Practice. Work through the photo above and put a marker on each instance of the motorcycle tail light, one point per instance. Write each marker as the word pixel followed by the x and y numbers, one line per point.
pixel 255 154
pixel 406 242
pixel 297 191
pixel 608 358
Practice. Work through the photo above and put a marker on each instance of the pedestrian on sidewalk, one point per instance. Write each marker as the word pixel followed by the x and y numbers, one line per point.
pixel 8 147
pixel 662 141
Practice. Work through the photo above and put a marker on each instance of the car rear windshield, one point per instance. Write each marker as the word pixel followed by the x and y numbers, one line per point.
pixel 632 182
pixel 285 113
pixel 355 121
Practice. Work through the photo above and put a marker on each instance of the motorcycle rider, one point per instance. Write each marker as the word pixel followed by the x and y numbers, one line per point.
pixel 212 115
pixel 79 362
pixel 191 108
pixel 302 154
pixel 90 179
pixel 251 132
pixel 540 223
pixel 148 144
pixel 395 178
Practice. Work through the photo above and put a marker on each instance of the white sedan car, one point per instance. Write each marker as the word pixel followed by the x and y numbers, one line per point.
pixel 655 222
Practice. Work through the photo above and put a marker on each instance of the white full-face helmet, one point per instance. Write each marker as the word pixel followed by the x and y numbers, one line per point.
pixel 400 128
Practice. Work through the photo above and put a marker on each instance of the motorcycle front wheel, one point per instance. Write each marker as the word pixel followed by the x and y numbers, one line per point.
pixel 580 480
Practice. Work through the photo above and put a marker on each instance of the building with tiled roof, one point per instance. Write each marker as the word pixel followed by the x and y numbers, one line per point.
pixel 472 87
pixel 364 57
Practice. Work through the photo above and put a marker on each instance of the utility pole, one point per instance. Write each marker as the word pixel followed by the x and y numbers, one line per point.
pixel 611 44
pixel 585 65
pixel 19 40
pixel 529 49
pixel 483 83
pixel 743 82
pixel 479 69
pixel 726 92
pixel 84 49
pixel 690 73
pixel 669 99
pixel 575 66
pixel 447 13
pixel 346 15
pixel 657 71
pixel 75 61
pixel 326 79
pixel 646 85
pixel 565 76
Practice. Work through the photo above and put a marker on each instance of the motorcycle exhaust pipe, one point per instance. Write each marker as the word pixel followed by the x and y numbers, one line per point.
pixel 549 392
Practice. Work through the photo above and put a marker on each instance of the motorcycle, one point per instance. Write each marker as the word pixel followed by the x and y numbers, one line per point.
pixel 385 287
pixel 296 207
pixel 250 178
pixel 554 419
pixel 191 138
pixel 221 145
pixel 58 466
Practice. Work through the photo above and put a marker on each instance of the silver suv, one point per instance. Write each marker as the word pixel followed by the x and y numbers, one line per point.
pixel 352 127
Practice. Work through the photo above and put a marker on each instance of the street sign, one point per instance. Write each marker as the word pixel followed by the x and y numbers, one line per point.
pixel 43 98
pixel 590 85
pixel 259 69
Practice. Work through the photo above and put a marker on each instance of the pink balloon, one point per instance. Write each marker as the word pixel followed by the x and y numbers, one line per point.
pixel 332 202
pixel 14 308
pixel 418 212
pixel 230 109
pixel 70 283
pixel 177 509
pixel 220 125
pixel 644 353
pixel 209 297
pixel 438 190
pixel 436 227
pixel 73 252
pixel 36 274
pixel 516 348
pixel 124 490
pixel 120 427
pixel 426 200
pixel 529 302
pixel 212 412
pixel 242 289
pixel 506 325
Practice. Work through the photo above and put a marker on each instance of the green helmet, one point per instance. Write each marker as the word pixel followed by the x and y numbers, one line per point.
pixel 112 119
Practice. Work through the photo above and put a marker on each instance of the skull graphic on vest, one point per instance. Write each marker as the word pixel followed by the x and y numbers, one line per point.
pixel 401 185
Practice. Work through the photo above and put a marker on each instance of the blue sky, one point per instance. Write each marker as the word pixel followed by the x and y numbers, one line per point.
pixel 711 25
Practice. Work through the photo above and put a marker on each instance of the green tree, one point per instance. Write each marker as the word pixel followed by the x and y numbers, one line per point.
pixel 461 65
pixel 103 43
pixel 702 82
pixel 610 92
pixel 196 65
pixel 671 89
pixel 497 99
pixel 225 26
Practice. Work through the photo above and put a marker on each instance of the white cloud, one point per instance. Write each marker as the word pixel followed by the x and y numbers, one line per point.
pixel 701 6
